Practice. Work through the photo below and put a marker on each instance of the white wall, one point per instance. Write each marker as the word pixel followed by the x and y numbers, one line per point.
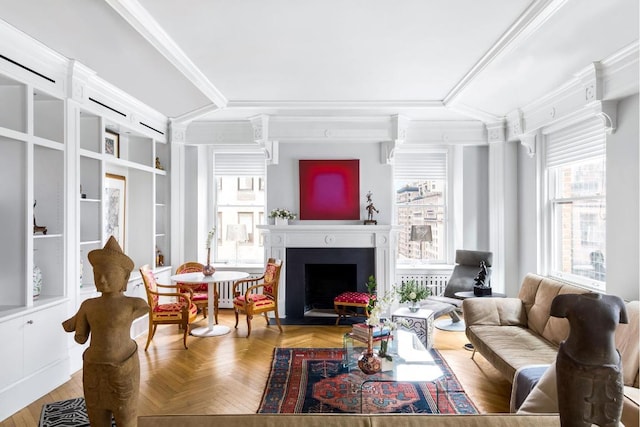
pixel 527 214
pixel 475 200
pixel 623 212
pixel 283 178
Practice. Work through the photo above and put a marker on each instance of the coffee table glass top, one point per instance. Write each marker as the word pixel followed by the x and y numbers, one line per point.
pixel 410 360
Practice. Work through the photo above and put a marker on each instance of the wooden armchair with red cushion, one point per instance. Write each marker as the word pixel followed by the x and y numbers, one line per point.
pixel 258 295
pixel 182 312
pixel 200 290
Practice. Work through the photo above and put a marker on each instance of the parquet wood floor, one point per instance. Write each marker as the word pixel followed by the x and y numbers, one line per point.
pixel 227 374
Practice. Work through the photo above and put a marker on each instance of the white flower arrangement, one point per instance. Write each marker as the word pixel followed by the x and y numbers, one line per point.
pixel 376 319
pixel 282 213
pixel 410 291
pixel 210 237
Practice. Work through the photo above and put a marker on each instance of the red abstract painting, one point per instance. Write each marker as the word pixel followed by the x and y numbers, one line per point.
pixel 329 189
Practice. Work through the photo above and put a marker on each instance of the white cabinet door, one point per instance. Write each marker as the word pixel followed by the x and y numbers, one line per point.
pixel 11 359
pixel 45 341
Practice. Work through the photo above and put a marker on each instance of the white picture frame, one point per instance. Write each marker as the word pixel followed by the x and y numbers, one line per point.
pixel 115 193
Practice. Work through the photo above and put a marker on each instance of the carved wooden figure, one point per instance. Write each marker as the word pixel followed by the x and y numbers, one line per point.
pixel 111 368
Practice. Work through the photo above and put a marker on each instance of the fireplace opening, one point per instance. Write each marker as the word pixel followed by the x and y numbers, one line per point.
pixel 324 281
pixel 315 276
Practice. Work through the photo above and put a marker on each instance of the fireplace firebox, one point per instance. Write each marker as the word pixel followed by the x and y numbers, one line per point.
pixel 314 276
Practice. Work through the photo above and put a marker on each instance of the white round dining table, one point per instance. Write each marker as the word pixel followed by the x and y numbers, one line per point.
pixel 211 330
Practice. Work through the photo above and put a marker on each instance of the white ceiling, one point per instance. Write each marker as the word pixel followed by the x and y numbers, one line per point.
pixel 427 59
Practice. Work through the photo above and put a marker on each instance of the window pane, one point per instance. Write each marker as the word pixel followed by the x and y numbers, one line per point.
pixel 580 179
pixel 238 201
pixel 420 213
pixel 580 234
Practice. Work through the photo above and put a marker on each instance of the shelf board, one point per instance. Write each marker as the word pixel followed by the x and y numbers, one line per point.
pixel 90 200
pixel 13 134
pixel 90 242
pixel 43 142
pixel 47 236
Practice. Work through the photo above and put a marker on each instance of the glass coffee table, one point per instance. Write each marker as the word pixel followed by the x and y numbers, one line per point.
pixel 410 362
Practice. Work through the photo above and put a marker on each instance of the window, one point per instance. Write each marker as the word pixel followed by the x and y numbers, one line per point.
pixel 420 184
pixel 575 160
pixel 240 200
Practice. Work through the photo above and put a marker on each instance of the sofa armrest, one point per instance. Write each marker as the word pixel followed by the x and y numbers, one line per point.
pixel 494 311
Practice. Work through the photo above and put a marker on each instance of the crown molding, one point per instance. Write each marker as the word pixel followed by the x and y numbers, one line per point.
pixel 531 19
pixel 593 91
pixel 335 105
pixel 23 49
pixel 196 114
pixel 138 17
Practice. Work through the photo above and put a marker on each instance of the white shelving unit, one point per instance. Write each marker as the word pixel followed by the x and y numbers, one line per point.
pixel 54 113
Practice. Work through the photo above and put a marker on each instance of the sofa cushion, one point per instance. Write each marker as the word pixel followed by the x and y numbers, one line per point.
pixel 628 344
pixel 537 293
pixel 544 396
pixel 511 347
pixel 494 311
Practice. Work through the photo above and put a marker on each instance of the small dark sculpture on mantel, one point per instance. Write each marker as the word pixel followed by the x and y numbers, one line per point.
pixel 370 210
pixel 37 228
pixel 481 286
pixel 588 365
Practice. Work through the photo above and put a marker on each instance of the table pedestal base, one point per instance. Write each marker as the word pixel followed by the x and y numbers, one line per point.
pixel 213 331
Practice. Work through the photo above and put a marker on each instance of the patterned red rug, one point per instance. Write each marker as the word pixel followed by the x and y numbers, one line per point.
pixel 314 380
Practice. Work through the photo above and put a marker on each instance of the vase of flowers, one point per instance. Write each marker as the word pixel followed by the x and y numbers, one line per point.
pixel 208 269
pixel 281 216
pixel 412 293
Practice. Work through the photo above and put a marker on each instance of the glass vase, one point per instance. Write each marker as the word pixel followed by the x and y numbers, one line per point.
pixel 208 269
pixel 414 306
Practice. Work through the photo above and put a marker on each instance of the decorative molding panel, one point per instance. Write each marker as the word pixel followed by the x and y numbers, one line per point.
pixel 593 91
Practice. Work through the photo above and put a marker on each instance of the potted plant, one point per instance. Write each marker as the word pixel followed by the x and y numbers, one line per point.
pixel 281 216
pixel 412 293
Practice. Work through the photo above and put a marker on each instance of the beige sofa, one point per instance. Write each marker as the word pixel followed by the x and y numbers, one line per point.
pixel 335 420
pixel 512 333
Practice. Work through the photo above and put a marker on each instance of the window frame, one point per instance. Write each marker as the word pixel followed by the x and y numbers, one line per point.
pixel 447 206
pixel 550 241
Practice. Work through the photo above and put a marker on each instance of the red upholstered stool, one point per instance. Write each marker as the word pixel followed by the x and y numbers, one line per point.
pixel 347 304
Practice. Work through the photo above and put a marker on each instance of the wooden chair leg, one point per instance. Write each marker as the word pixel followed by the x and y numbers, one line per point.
pixel 235 310
pixel 216 299
pixel 249 325
pixel 278 320
pixel 184 338
pixel 152 332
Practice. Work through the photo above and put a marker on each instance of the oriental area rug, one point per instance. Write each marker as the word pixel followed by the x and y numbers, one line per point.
pixel 314 380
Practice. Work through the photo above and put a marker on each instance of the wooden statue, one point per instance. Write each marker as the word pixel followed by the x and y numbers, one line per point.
pixel 111 368
pixel 588 365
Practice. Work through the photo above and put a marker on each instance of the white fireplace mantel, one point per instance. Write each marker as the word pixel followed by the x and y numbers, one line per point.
pixel 277 238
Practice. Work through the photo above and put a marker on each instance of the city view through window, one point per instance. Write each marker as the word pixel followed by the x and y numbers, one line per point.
pixel 421 217
pixel 240 205
pixel 579 220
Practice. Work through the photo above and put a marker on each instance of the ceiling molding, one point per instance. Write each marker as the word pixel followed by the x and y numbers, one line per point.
pixel 586 93
pixel 526 24
pixel 196 114
pixel 474 113
pixel 335 105
pixel 142 21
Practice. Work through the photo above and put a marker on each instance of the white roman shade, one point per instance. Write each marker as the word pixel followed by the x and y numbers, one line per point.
pixel 427 165
pixel 576 143
pixel 239 164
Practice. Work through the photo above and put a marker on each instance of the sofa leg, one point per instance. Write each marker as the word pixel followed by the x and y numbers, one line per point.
pixel 474 353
